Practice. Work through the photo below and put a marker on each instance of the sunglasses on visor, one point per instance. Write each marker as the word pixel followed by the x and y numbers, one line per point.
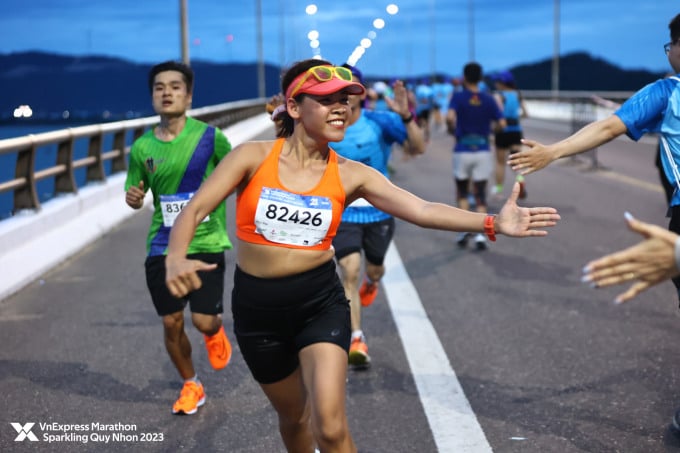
pixel 323 74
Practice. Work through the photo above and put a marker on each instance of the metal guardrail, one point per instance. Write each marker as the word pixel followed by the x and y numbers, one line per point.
pixel 582 114
pixel 582 108
pixel 574 96
pixel 26 176
pixel 23 185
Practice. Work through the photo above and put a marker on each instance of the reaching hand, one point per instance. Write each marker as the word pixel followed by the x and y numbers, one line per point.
pixel 399 104
pixel 532 159
pixel 274 101
pixel 516 221
pixel 644 264
pixel 181 276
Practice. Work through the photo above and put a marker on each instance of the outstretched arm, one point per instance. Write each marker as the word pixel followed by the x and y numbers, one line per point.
pixel 181 273
pixel 589 137
pixel 512 220
pixel 645 264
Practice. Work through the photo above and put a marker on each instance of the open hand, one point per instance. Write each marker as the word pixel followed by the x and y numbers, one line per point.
pixel 516 221
pixel 644 265
pixel 532 159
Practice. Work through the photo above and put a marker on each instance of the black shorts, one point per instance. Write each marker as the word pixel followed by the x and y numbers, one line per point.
pixel 274 318
pixel 508 139
pixel 206 300
pixel 674 226
pixel 373 238
pixel 424 115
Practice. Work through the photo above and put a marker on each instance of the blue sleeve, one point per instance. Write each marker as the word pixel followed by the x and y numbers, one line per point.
pixel 644 111
pixel 393 128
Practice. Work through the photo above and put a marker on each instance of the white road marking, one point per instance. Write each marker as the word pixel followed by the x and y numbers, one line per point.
pixel 454 426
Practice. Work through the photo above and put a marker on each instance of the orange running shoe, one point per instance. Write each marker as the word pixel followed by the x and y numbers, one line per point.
pixel 219 349
pixel 367 293
pixel 190 399
pixel 358 353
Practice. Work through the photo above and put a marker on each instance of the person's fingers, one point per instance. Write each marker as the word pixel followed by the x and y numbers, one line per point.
pixel 633 291
pixel 637 226
pixel 203 266
pixel 193 281
pixel 176 288
pixel 615 270
pixel 514 194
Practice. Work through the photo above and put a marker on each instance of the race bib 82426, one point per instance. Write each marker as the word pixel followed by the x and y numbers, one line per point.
pixel 290 218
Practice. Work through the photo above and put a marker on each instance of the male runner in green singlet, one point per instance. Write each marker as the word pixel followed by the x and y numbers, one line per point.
pixel 172 160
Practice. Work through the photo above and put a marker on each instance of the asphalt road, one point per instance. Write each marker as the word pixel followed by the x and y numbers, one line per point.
pixel 546 363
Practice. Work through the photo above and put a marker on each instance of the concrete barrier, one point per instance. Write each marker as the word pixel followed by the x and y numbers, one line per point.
pixel 31 243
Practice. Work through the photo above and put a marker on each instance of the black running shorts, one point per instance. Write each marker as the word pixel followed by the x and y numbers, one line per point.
pixel 373 238
pixel 206 300
pixel 274 318
pixel 506 140
pixel 674 226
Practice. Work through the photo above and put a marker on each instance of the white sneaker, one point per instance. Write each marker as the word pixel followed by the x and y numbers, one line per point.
pixel 480 241
pixel 462 239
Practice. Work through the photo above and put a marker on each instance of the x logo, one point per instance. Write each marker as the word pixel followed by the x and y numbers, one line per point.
pixel 24 431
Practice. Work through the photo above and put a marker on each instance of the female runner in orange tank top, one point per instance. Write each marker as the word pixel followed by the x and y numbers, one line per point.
pixel 291 317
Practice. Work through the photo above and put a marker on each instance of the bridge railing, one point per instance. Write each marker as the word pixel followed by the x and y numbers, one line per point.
pixel 98 163
pixel 98 160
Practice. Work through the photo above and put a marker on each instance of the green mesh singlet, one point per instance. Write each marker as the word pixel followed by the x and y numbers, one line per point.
pixel 180 166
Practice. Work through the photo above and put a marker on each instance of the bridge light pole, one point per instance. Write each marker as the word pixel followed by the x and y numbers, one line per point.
pixel 471 30
pixel 184 31
pixel 556 50
pixel 261 83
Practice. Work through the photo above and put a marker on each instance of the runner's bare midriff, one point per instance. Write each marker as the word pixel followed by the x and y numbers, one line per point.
pixel 265 261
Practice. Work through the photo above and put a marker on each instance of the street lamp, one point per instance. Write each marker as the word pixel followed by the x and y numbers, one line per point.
pixel 313 35
pixel 471 30
pixel 261 84
pixel 556 50
pixel 184 31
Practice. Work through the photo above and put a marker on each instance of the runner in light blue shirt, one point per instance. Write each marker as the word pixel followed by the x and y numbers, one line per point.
pixel 654 108
pixel 368 139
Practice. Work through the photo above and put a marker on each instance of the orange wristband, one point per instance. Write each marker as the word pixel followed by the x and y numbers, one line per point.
pixel 488 227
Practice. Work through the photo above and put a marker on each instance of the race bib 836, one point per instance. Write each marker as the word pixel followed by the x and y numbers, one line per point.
pixel 172 205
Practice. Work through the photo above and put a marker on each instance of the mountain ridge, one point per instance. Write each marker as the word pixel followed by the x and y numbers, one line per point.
pixel 115 88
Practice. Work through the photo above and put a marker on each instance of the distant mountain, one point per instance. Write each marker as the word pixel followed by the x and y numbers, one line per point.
pixel 580 71
pixel 89 86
